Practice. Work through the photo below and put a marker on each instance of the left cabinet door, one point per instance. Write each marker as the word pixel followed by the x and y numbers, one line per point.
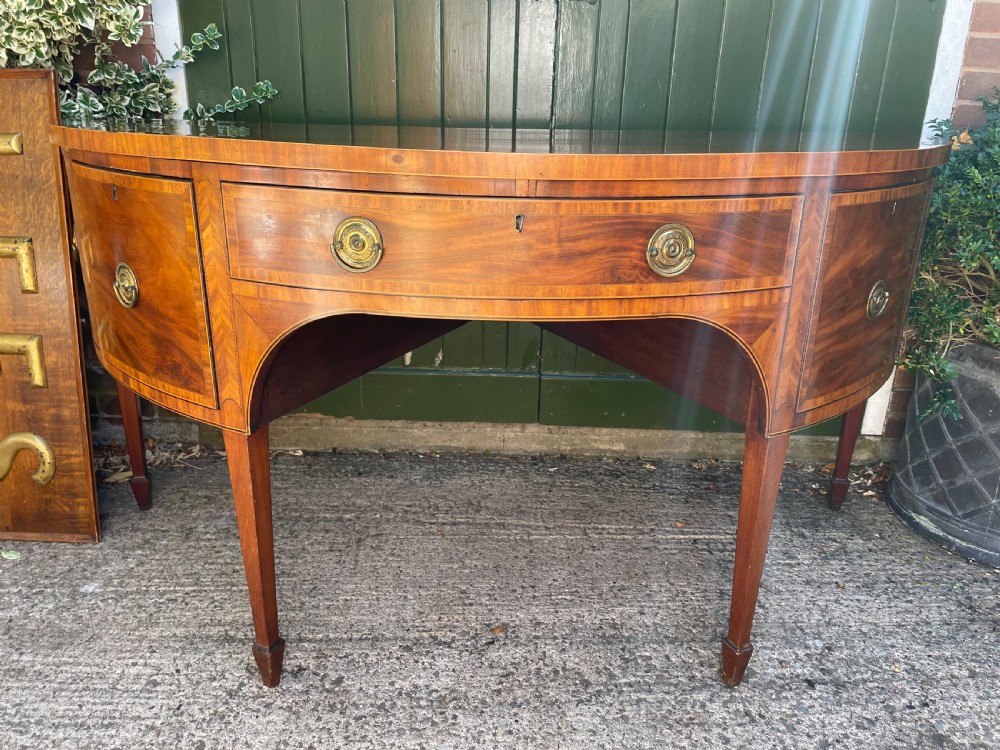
pixel 142 270
pixel 46 466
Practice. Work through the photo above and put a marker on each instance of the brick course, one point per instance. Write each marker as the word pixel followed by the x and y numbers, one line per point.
pixel 986 18
pixel 981 65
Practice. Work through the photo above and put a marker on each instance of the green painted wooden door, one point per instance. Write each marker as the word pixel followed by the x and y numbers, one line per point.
pixel 767 68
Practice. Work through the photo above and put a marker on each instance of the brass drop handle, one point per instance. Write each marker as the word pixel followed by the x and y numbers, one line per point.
pixel 670 251
pixel 126 286
pixel 357 244
pixel 878 300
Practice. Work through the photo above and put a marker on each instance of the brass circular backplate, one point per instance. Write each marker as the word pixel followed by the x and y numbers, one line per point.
pixel 878 300
pixel 126 286
pixel 671 250
pixel 357 244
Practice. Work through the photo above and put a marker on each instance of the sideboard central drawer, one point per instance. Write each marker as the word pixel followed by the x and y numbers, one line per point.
pixel 527 247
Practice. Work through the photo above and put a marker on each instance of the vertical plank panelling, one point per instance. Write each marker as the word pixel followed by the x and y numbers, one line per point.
pixel 694 69
pixel 327 82
pixel 609 68
pixel 495 336
pixel 790 45
pixel 465 48
pixel 371 40
pixel 536 34
pixel 418 61
pixel 558 355
pixel 839 37
pixel 241 47
pixel 576 44
pixel 208 76
pixel 464 348
pixel 741 65
pixel 502 67
pixel 279 58
pixel 611 56
pixel 648 54
pixel 870 74
pixel 524 342
pixel 909 66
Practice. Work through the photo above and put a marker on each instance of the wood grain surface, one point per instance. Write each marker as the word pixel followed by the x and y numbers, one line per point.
pixel 31 207
pixel 768 326
pixel 148 224
pixel 871 237
pixel 473 247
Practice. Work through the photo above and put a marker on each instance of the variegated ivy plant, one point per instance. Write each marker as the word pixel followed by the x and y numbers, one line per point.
pixel 51 33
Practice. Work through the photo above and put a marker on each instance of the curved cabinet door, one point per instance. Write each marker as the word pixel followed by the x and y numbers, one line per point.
pixel 868 262
pixel 143 274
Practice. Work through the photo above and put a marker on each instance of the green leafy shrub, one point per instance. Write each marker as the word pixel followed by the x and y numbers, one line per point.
pixel 52 33
pixel 956 297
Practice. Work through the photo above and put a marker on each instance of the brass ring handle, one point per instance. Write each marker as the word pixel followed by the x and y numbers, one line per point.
pixel 670 251
pixel 357 245
pixel 878 300
pixel 126 286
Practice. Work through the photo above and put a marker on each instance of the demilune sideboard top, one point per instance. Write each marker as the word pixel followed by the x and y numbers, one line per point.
pixel 232 279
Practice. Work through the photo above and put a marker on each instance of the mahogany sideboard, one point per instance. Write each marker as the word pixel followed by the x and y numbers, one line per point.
pixel 234 279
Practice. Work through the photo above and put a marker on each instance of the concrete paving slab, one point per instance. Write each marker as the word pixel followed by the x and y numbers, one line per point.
pixel 461 601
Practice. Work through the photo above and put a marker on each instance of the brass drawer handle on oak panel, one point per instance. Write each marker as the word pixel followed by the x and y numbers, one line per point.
pixel 126 286
pixel 16 442
pixel 11 144
pixel 357 244
pixel 22 250
pixel 671 250
pixel 878 300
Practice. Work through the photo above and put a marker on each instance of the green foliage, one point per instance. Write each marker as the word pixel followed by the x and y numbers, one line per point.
pixel 956 298
pixel 51 33
pixel 116 91
pixel 239 99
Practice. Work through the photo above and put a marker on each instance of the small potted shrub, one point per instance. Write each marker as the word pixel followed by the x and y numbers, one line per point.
pixel 947 480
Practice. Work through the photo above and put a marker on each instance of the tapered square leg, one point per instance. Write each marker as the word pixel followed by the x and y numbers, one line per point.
pixel 763 461
pixel 142 488
pixel 250 475
pixel 850 428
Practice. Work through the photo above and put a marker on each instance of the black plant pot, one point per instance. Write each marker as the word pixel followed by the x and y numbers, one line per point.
pixel 947 480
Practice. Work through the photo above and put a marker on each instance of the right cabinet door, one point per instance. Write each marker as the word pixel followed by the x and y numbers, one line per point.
pixel 867 267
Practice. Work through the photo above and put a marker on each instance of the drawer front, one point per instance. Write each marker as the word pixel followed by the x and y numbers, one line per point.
pixel 871 245
pixel 510 248
pixel 140 232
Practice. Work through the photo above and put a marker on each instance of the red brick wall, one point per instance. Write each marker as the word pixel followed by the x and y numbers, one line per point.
pixel 981 66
